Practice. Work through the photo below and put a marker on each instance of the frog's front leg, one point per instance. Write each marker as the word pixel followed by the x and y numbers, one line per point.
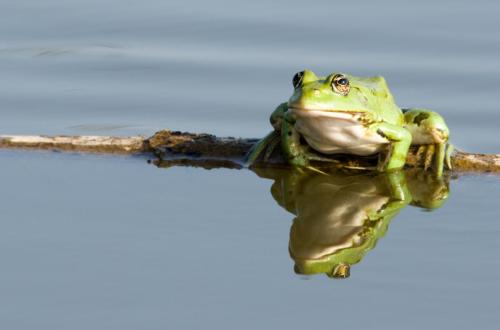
pixel 429 131
pixel 399 142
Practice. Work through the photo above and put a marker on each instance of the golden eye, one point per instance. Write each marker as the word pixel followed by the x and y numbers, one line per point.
pixel 297 79
pixel 340 84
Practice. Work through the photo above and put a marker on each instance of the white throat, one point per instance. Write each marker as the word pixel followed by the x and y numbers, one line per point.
pixel 333 132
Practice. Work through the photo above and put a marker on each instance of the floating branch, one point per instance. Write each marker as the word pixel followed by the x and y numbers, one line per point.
pixel 90 144
pixel 173 148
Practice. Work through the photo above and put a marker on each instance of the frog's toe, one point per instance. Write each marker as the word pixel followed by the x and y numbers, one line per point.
pixel 420 152
pixel 273 143
pixel 433 156
pixel 429 155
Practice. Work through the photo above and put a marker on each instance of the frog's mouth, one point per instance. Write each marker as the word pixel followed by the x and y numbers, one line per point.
pixel 348 115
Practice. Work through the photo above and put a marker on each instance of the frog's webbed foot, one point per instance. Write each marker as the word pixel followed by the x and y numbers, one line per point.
pixel 437 156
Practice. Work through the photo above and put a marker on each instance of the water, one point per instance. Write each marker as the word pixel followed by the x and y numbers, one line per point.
pixel 115 243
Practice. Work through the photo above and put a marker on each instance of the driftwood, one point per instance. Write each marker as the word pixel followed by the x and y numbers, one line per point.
pixel 91 144
pixel 204 150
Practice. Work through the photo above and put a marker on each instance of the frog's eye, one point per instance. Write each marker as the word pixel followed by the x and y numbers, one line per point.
pixel 297 79
pixel 340 84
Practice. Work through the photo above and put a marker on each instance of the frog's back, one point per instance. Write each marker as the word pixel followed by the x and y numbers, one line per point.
pixel 378 98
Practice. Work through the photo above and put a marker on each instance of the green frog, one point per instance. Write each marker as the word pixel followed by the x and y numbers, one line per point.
pixel 345 114
pixel 341 215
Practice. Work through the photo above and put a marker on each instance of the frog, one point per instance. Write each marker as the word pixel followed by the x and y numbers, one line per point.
pixel 340 215
pixel 345 114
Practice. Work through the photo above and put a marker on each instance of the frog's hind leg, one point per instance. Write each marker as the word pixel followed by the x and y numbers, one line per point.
pixel 263 145
pixel 430 133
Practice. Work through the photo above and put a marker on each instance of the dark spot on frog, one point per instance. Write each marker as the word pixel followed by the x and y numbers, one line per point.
pixel 383 207
pixel 440 130
pixel 418 119
pixel 381 133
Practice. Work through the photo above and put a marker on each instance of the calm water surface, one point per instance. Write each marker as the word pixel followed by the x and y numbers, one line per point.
pixel 91 242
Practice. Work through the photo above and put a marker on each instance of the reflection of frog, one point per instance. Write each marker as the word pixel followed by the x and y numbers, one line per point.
pixel 341 216
pixel 343 114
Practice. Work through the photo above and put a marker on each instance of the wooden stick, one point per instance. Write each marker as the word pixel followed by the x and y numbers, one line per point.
pixel 205 150
pixel 91 144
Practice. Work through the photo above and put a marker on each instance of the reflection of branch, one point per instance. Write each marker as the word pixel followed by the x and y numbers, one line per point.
pixel 215 151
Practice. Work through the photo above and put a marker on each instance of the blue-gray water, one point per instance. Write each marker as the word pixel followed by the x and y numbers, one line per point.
pixel 91 242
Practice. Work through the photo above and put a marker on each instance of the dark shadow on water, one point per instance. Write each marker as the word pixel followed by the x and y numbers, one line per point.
pixel 339 216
